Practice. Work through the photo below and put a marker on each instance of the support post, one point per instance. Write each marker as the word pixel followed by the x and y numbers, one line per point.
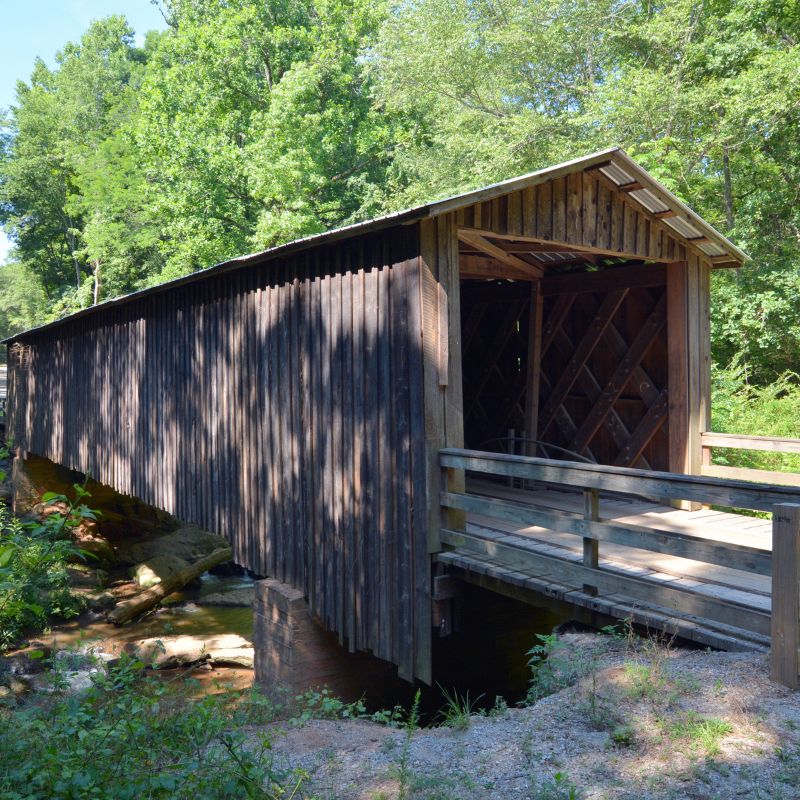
pixel 24 494
pixel 591 547
pixel 533 368
pixel 785 621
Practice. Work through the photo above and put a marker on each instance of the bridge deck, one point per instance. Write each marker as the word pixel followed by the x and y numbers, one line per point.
pixel 506 552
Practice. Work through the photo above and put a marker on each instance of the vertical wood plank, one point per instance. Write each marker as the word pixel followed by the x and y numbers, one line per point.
pixel 785 615
pixel 677 367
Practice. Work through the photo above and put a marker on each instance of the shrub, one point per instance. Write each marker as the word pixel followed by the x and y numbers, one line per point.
pixel 131 736
pixel 33 559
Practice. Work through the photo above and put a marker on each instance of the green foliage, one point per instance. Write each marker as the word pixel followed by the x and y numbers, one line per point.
pixel 741 406
pixel 322 704
pixel 404 762
pixel 33 558
pixel 130 737
pixel 559 787
pixel 553 667
pixel 457 710
pixel 248 122
pixel 701 733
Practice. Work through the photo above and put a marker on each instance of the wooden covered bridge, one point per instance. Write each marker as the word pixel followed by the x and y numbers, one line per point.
pixel 313 403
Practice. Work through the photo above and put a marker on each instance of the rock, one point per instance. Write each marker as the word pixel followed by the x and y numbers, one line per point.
pixel 156 569
pixel 7 697
pixel 189 543
pixel 243 597
pixel 100 601
pixel 233 657
pixel 85 577
pixel 178 651
pixel 18 686
pixel 99 551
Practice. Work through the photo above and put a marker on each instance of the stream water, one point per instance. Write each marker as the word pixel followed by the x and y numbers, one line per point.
pixel 487 658
pixel 182 615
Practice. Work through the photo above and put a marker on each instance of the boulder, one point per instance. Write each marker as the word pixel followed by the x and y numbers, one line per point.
pixel 156 569
pixel 86 578
pixel 100 601
pixel 189 542
pixel 179 651
pixel 7 697
pixel 99 551
pixel 243 597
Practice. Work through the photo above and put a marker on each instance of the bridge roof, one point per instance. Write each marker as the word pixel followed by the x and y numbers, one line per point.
pixel 614 163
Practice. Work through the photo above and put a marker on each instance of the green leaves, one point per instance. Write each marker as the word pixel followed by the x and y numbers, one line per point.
pixel 33 558
pixel 248 123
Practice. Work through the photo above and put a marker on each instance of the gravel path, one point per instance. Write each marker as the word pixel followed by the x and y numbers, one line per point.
pixel 641 722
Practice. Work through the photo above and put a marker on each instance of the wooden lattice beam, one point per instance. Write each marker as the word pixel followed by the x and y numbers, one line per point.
pixel 591 389
pixel 628 364
pixel 644 432
pixel 591 338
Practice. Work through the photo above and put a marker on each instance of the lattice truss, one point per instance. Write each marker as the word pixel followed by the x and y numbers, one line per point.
pixel 603 371
pixel 603 376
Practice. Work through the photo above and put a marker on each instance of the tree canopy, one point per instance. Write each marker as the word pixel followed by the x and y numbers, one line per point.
pixel 251 122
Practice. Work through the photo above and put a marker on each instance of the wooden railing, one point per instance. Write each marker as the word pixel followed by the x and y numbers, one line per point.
pixel 782 625
pixel 732 441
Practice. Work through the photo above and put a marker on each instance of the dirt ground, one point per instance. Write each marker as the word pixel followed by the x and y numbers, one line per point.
pixel 640 721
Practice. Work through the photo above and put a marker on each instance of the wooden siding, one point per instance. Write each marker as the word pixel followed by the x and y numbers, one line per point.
pixel 583 209
pixel 280 406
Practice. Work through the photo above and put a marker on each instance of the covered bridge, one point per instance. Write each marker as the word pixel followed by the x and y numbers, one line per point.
pixel 296 400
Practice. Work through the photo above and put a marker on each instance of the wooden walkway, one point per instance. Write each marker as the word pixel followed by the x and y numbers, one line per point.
pixel 493 550
pixel 611 542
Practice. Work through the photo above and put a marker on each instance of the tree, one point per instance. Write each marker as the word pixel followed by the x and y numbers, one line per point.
pixel 257 124
pixel 69 180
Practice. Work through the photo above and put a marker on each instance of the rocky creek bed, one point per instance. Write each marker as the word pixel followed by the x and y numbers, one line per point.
pixel 129 549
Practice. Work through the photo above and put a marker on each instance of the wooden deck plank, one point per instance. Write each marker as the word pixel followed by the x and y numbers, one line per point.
pixel 644 559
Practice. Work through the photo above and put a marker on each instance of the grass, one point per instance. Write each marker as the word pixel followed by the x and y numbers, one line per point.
pixel 457 710
pixel 702 733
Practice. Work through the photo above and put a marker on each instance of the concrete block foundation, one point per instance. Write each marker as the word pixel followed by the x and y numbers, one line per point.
pixel 294 653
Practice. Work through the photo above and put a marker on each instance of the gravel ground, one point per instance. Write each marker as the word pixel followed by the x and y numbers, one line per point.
pixel 641 722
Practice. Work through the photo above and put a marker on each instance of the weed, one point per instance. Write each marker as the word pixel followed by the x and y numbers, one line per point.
pixel 33 559
pixel 623 735
pixel 702 733
pixel 323 704
pixel 559 787
pixel 499 709
pixel 644 681
pixel 552 667
pixel 131 736
pixel 403 764
pixel 457 709
pixel 790 765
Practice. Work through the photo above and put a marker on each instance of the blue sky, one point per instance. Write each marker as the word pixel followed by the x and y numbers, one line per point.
pixel 31 28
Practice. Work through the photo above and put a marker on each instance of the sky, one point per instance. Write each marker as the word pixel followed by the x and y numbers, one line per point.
pixel 31 28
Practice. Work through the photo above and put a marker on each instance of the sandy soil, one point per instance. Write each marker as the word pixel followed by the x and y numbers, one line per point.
pixel 641 722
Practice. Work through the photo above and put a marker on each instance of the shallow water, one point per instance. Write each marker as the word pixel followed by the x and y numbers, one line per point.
pixel 179 616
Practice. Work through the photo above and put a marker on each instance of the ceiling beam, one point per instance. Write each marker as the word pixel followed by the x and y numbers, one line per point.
pixel 571 248
pixel 486 267
pixel 481 243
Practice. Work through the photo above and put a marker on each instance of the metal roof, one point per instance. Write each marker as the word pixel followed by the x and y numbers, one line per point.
pixel 614 163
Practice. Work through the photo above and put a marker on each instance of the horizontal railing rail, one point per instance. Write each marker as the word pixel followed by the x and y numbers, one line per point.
pixel 624 480
pixel 781 624
pixel 731 441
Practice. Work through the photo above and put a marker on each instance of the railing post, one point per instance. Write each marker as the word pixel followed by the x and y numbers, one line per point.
pixel 452 518
pixel 591 548
pixel 785 621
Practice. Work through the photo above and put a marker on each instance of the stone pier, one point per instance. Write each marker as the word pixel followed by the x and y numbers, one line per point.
pixel 294 653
